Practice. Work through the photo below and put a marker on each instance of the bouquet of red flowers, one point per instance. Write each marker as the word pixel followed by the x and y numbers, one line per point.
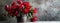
pixel 19 8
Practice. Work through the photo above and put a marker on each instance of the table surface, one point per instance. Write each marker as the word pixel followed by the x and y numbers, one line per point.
pixel 31 22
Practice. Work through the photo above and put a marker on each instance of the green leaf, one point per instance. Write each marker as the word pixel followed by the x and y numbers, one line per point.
pixel 29 15
pixel 31 10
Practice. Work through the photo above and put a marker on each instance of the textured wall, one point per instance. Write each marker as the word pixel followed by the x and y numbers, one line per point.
pixel 47 10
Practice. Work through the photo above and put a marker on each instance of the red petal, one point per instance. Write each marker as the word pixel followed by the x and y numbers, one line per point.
pixel 26 3
pixel 34 10
pixel 13 7
pixel 20 6
pixel 33 19
pixel 16 13
pixel 13 3
pixel 6 7
pixel 19 1
pixel 26 10
pixel 28 7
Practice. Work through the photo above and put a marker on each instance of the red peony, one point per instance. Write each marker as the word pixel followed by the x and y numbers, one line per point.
pixel 11 14
pixel 16 13
pixel 13 3
pixel 6 7
pixel 28 7
pixel 34 11
pixel 19 1
pixel 33 19
pixel 9 11
pixel 20 6
pixel 25 11
pixel 26 4
pixel 13 7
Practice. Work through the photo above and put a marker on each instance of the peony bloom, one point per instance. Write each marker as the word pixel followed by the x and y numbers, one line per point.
pixel 33 19
pixel 34 11
pixel 20 6
pixel 25 11
pixel 16 13
pixel 26 4
pixel 28 7
pixel 6 7
pixel 19 2
pixel 13 3
pixel 13 7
